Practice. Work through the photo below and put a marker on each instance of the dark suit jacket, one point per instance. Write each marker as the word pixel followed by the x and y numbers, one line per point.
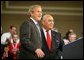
pixel 30 40
pixel 56 45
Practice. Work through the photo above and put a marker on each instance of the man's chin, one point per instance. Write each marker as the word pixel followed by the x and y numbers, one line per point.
pixel 51 28
pixel 39 19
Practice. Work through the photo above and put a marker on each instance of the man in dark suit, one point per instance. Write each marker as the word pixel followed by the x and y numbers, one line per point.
pixel 51 40
pixel 30 35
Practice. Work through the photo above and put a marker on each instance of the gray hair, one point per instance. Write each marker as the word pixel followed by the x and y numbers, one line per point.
pixel 43 18
pixel 32 7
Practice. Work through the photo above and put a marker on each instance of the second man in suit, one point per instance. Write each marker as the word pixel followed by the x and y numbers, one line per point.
pixel 51 40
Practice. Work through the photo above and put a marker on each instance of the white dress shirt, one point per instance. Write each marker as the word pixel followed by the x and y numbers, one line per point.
pixel 34 20
pixel 36 23
pixel 4 37
pixel 45 33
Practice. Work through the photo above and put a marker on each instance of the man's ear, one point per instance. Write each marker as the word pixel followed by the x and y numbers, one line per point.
pixel 31 13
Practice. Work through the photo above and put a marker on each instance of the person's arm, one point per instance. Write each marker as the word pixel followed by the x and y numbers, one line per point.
pixel 3 38
pixel 60 41
pixel 25 37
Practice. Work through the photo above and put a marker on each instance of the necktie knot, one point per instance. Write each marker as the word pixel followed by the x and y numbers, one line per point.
pixel 47 31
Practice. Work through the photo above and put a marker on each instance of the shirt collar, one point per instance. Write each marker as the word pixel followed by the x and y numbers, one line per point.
pixel 45 29
pixel 34 20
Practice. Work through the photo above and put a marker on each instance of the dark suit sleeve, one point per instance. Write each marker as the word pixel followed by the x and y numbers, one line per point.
pixel 25 37
pixel 60 42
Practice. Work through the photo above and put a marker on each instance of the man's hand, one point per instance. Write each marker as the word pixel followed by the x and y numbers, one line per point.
pixel 39 53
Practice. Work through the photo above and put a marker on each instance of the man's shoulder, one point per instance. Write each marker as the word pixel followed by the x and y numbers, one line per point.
pixel 6 33
pixel 28 21
pixel 55 32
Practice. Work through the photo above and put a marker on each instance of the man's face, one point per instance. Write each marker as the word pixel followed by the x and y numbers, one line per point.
pixel 13 30
pixel 48 22
pixel 37 13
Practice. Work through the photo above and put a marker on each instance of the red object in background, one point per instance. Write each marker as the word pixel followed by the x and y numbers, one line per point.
pixel 13 49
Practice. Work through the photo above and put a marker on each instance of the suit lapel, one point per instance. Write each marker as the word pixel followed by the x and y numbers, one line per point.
pixel 54 40
pixel 36 33
pixel 33 24
pixel 44 39
pixel 43 36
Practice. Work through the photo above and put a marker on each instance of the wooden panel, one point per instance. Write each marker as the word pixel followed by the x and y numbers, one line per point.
pixel 67 14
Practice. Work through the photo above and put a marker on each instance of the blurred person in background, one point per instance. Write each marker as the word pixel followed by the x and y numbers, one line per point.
pixel 70 38
pixel 6 36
